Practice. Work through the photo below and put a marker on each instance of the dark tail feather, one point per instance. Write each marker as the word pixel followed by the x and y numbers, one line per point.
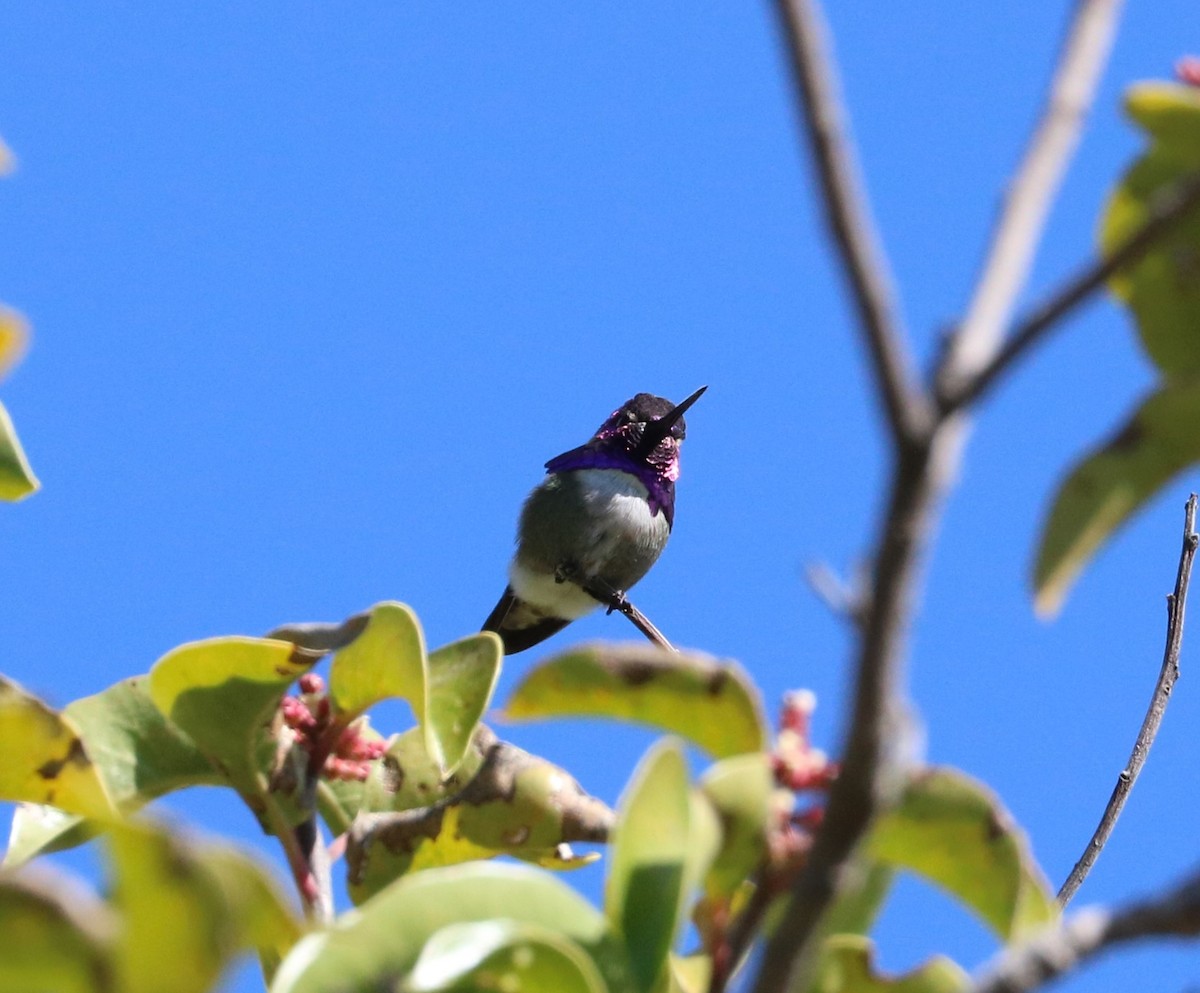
pixel 517 639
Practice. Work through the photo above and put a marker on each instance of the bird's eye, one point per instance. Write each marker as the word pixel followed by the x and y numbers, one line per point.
pixel 631 416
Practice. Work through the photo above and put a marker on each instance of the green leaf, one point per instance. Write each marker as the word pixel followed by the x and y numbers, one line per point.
pixel 846 967
pixel 1170 114
pixel 1103 490
pixel 952 831
pixel 503 955
pixel 45 760
pixel 448 690
pixel 647 882
pixel 387 660
pixel 17 480
pixel 138 753
pixel 57 935
pixel 223 694
pixel 712 704
pixel 188 908
pixel 1163 288
pixel 462 678
pixel 382 942
pixel 516 804
pixel 740 791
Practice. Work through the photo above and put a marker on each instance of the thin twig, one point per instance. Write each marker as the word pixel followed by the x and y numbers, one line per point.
pixel 1025 967
pixel 617 601
pixel 862 258
pixel 1176 608
pixel 1167 209
pixel 1022 218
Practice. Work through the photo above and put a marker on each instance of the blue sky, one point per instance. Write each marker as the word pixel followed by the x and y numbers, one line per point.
pixel 316 289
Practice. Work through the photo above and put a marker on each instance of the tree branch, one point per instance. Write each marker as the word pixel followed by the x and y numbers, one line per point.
pixel 1168 209
pixel 863 262
pixel 1022 218
pixel 1082 936
pixel 927 450
pixel 1176 608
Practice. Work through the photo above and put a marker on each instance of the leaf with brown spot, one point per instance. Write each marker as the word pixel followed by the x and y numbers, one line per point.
pixel 515 804
pixel 45 761
pixel 712 704
pixel 1113 481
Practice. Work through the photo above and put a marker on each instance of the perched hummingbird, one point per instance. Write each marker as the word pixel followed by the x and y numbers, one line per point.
pixel 598 521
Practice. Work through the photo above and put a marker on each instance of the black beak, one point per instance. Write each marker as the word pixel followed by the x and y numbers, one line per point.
pixel 657 430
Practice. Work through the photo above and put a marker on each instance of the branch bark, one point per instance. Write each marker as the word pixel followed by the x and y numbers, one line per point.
pixel 863 262
pixel 927 443
pixel 1169 672
pixel 1168 210
pixel 1022 218
pixel 1084 935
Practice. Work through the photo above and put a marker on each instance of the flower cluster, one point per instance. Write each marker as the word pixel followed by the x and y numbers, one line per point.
pixel 344 751
pixel 798 768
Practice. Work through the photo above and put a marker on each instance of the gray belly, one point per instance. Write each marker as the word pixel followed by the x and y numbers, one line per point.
pixel 596 521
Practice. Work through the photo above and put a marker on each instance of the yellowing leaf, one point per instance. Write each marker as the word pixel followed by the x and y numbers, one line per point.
pixel 953 832
pixel 222 693
pixel 515 804
pixel 45 760
pixel 387 660
pixel 1159 441
pixel 188 908
pixel 14 339
pixel 711 704
pixel 1170 114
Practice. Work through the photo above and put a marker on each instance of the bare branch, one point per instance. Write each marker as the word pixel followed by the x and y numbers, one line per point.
pixel 871 765
pixel 1168 209
pixel 862 258
pixel 1022 218
pixel 1082 936
pixel 1176 608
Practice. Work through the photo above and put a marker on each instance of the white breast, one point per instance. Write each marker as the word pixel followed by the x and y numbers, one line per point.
pixel 617 505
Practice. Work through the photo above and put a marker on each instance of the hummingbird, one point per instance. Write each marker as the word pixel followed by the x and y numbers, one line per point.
pixel 596 524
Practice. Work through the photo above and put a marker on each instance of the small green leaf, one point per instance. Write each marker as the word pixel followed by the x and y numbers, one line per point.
pixel 1170 114
pixel 712 704
pixel 387 660
pixel 382 942
pixel 1163 289
pixel 953 832
pixel 516 804
pixel 739 789
pixel 17 480
pixel 846 967
pixel 462 678
pixel 57 936
pixel 223 694
pixel 647 881
pixel 45 760
pixel 1103 490
pixel 187 909
pixel 503 955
